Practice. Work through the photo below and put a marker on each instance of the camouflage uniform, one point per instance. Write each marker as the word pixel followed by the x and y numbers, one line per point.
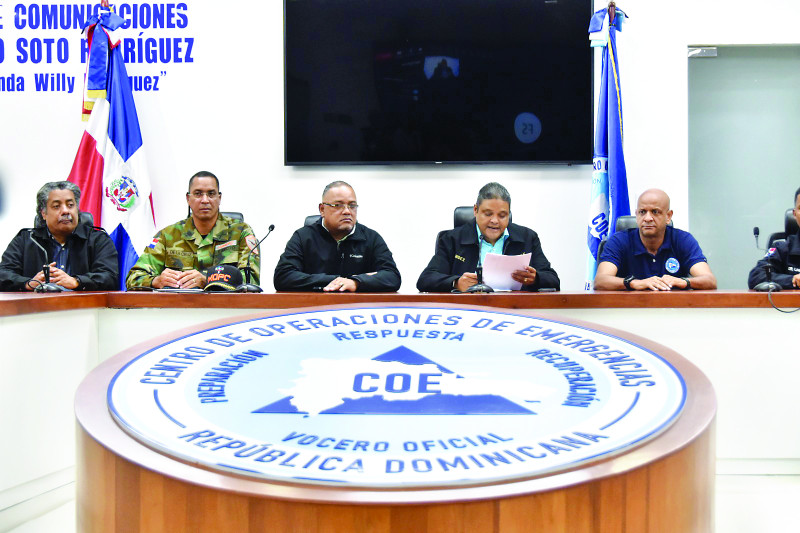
pixel 181 247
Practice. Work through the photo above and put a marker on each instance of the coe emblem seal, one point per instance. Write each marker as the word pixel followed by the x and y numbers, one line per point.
pixel 396 396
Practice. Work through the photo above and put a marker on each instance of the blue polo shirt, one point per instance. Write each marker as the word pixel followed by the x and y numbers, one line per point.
pixel 678 253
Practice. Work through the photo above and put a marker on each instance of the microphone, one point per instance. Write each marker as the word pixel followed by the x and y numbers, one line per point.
pixel 46 286
pixel 247 286
pixel 480 286
pixel 756 233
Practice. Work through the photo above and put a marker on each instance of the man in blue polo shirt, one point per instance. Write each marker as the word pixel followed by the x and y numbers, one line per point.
pixel 655 256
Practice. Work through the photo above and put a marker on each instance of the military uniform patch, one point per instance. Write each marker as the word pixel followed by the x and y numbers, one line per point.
pixel 224 245
pixel 252 243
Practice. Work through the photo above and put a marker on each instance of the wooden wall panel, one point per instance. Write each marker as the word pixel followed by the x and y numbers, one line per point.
pixel 671 494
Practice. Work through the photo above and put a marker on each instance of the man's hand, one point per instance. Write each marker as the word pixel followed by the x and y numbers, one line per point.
pixel 654 283
pixel 192 279
pixel 341 285
pixel 673 282
pixel 467 280
pixel 31 285
pixel 187 279
pixel 526 276
pixel 167 278
pixel 796 281
pixel 59 277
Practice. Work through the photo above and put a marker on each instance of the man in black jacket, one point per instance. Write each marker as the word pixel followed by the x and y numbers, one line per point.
pixel 335 254
pixel 453 265
pixel 784 259
pixel 80 257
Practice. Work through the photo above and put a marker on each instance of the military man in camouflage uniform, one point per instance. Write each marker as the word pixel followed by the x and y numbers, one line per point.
pixel 181 254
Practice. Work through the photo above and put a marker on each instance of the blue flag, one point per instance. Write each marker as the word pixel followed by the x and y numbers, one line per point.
pixel 609 198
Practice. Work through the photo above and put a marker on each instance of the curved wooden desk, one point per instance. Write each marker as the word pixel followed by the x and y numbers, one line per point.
pixel 665 484
pixel 13 304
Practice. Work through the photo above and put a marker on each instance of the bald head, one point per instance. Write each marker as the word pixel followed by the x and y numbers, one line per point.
pixel 654 195
pixel 653 214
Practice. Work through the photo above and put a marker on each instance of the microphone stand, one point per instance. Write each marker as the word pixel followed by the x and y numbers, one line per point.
pixel 480 286
pixel 769 285
pixel 247 286
pixel 46 286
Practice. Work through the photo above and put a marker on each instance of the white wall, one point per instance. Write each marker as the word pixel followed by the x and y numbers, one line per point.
pixel 224 113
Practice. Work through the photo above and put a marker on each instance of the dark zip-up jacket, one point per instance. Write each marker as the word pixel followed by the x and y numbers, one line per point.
pixel 457 252
pixel 785 261
pixel 92 259
pixel 313 259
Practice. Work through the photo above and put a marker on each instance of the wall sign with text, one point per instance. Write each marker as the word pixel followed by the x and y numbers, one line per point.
pixel 43 50
pixel 390 396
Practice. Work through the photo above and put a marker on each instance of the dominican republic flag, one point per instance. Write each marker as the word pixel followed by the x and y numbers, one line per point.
pixel 609 198
pixel 110 166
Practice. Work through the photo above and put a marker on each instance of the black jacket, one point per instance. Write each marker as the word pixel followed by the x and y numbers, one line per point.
pixel 785 261
pixel 457 252
pixel 313 259
pixel 92 256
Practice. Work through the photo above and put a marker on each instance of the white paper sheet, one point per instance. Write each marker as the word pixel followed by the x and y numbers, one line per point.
pixel 497 270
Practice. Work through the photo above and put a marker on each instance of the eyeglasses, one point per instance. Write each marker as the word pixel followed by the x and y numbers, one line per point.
pixel 352 206
pixel 199 194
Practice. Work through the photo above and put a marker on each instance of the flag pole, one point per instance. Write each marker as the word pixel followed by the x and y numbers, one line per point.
pixel 609 190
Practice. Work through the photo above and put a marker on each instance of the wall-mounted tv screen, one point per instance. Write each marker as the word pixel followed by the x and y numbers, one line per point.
pixel 430 81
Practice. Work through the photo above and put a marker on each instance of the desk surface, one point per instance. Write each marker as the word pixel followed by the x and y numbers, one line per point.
pixel 24 303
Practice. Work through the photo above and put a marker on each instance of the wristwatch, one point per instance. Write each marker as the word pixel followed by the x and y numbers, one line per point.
pixel 627 282
pixel 688 284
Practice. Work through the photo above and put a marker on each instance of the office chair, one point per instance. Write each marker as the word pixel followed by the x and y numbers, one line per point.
pixel 790 228
pixel 235 215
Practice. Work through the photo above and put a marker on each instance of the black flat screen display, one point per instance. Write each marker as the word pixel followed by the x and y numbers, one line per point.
pixel 451 81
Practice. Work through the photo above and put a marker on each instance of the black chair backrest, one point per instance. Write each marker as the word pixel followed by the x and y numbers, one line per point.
pixel 789 226
pixel 235 215
pixel 462 215
pixel 625 223
pixel 311 220
pixel 465 213
pixel 790 223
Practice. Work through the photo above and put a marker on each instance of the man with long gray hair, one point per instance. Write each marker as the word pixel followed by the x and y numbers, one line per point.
pixel 78 256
